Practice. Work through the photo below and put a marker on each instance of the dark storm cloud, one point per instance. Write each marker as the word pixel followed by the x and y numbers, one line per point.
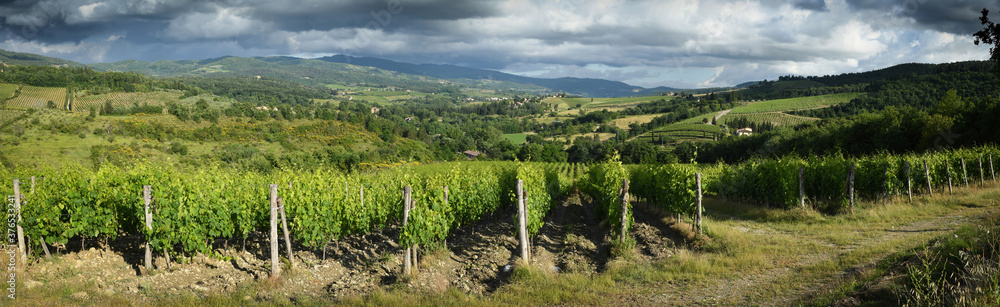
pixel 953 16
pixel 812 5
pixel 644 42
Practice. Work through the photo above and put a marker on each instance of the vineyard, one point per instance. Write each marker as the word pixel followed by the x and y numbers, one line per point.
pixel 122 100
pixel 775 118
pixel 791 104
pixel 38 97
pixel 191 211
pixel 831 183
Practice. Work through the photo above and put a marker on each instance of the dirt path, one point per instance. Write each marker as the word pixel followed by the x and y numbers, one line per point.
pixel 757 288
pixel 716 120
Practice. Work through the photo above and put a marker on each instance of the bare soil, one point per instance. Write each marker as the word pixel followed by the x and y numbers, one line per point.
pixel 476 259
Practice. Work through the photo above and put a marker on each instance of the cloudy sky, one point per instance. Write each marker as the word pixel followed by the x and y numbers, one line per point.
pixel 645 43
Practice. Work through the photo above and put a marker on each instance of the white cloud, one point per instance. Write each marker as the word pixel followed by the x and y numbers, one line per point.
pixel 223 23
pixel 87 10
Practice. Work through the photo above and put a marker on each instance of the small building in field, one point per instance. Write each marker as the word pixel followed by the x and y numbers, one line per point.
pixel 744 131
pixel 471 154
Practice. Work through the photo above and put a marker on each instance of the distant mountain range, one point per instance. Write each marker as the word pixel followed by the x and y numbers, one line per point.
pixel 375 72
pixel 577 86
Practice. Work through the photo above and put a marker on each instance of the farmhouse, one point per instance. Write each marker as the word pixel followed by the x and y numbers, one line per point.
pixel 744 131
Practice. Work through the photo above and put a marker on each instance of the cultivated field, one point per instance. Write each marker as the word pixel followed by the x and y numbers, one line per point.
pixel 38 97
pixel 516 138
pixel 623 122
pixel 776 118
pixel 792 104
pixel 123 100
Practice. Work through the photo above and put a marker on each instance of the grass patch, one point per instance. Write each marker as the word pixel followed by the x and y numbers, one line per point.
pixel 516 138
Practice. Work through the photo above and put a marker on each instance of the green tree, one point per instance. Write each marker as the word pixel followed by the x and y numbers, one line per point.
pixel 990 35
pixel 108 108
pixel 950 104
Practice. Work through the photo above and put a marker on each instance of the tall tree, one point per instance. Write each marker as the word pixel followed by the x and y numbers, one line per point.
pixel 990 35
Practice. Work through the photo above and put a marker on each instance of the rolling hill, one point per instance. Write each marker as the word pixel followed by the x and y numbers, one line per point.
pixel 19 58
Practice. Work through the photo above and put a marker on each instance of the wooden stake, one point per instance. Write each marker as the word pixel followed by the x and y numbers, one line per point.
pixel 992 173
pixel 406 217
pixel 284 228
pixel 623 198
pixel 697 182
pixel 45 248
pixel 947 168
pixel 274 231
pixel 927 171
pixel 522 227
pixel 802 187
pixel 20 231
pixel 415 247
pixel 909 183
pixel 146 198
pixel 32 185
pixel 965 175
pixel 885 182
pixel 850 186
pixel 982 181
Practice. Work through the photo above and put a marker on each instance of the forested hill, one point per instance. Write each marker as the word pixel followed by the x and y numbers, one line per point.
pixel 18 58
pixel 304 71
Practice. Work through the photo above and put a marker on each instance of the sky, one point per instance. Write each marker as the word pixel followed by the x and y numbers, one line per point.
pixel 684 44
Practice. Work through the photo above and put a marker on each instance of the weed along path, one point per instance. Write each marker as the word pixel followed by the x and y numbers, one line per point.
pixel 782 258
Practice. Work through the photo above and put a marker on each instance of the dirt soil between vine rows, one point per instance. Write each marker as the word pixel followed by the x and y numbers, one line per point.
pixel 479 259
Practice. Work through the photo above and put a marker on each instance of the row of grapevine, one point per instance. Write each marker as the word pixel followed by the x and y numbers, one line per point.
pixel 603 182
pixel 38 97
pixel 775 182
pixel 670 187
pixel 193 209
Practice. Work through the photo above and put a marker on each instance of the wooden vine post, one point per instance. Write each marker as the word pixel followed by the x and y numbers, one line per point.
pixel 522 221
pixel 885 182
pixel 41 239
pixel 697 199
pixel 623 202
pixel 909 183
pixel 992 173
pixel 284 229
pixel 146 199
pixel 927 173
pixel 274 231
pixel 415 247
pixel 982 180
pixel 406 218
pixel 20 231
pixel 802 188
pixel 965 175
pixel 947 169
pixel 850 186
